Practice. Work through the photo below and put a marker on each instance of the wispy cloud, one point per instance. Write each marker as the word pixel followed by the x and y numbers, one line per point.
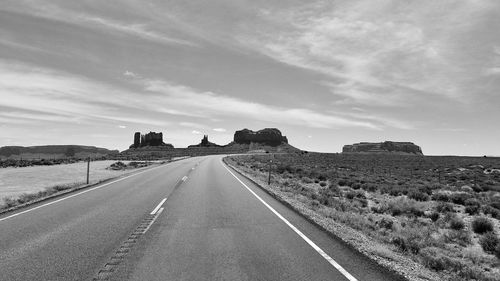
pixel 192 125
pixel 130 74
pixel 220 130
pixel 376 53
pixel 27 87
pixel 130 27
pixel 44 94
pixel 209 104
pixel 141 30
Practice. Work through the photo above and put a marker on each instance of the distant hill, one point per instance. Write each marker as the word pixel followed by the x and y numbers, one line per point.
pixel 383 147
pixel 53 151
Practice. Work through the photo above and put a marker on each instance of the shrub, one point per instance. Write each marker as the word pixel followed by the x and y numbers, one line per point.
pixel 440 196
pixel 400 242
pixel 369 187
pixel 495 204
pixel 324 200
pixel 472 209
pixel 406 244
pixel 397 191
pixel 489 242
pixel 418 196
pixel 334 189
pixel 385 223
pixel 342 183
pixel 497 251
pixel 322 184
pixel 482 225
pixel 457 224
pixel 434 216
pixel 472 202
pixel 488 210
pixel 444 207
pixel 356 185
pixel 459 198
pixel 350 194
pixel 461 237
pixel 322 177
pixel 363 202
pixel 433 259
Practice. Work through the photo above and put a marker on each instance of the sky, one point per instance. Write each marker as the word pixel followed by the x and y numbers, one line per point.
pixel 326 73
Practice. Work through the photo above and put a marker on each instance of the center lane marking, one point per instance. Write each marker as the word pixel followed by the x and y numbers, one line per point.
pixel 184 178
pixel 158 207
pixel 302 235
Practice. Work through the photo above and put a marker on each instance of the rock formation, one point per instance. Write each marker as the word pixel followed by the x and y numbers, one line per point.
pixel 149 139
pixel 268 136
pixel 205 143
pixel 383 147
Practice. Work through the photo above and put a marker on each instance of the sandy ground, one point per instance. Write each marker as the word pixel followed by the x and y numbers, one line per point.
pixel 15 181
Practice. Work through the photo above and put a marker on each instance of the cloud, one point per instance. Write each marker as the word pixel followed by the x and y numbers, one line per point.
pixel 379 53
pixel 36 93
pixel 130 74
pixel 140 30
pixel 60 94
pixel 122 127
pixel 196 132
pixel 136 29
pixel 220 130
pixel 492 71
pixel 192 125
pixel 211 105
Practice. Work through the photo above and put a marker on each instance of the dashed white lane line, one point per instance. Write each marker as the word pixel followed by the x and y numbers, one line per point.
pixel 79 193
pixel 157 214
pixel 158 207
pixel 184 178
pixel 302 235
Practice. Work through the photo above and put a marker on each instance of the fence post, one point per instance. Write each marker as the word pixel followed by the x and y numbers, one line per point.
pixel 88 169
pixel 269 177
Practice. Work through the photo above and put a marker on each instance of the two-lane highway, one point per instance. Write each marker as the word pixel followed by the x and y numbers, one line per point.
pixel 203 222
pixel 72 238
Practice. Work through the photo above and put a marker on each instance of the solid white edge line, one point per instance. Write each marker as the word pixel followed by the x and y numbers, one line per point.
pixel 158 207
pixel 302 235
pixel 79 193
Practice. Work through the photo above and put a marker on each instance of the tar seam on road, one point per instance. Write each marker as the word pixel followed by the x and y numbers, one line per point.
pixel 117 258
pixel 302 235
pixel 79 193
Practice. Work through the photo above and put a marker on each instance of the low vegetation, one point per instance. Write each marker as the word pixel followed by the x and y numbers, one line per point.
pixel 21 185
pixel 10 202
pixel 131 165
pixel 442 212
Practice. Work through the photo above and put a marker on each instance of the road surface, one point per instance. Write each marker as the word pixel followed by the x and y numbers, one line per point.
pixel 193 219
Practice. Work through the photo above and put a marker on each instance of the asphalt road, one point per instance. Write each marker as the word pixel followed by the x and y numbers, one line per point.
pixel 212 225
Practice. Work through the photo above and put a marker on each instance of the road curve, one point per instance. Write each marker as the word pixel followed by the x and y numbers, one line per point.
pixel 200 222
